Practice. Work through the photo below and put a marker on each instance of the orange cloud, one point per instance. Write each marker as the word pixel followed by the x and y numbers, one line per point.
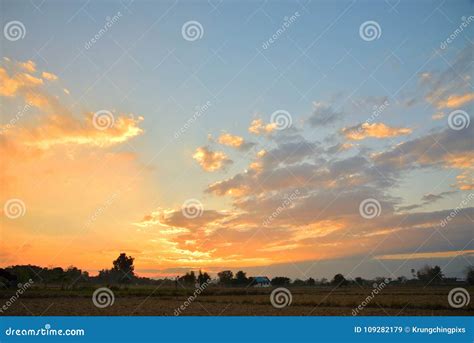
pixel 455 101
pixel 28 66
pixel 437 254
pixel 376 130
pixel 57 130
pixel 230 140
pixel 465 162
pixel 257 127
pixel 10 86
pixel 210 160
pixel 49 76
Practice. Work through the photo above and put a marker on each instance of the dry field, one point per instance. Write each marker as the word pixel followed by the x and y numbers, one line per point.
pixel 315 301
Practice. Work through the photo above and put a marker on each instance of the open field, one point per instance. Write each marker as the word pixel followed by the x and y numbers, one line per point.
pixel 316 301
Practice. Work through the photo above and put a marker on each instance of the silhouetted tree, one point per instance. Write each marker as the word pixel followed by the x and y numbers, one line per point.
pixel 280 281
pixel 225 277
pixel 73 276
pixel 339 280
pixel 124 264
pixel 7 279
pixel 401 279
pixel 189 278
pixel 202 278
pixel 430 275
pixel 470 275
pixel 241 278
pixel 310 282
pixel 298 282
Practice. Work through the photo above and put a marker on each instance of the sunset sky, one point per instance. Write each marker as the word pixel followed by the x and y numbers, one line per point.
pixel 253 145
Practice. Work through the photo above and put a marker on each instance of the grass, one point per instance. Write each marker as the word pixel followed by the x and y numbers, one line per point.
pixel 150 300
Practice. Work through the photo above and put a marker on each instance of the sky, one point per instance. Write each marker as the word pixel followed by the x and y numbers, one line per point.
pixel 296 138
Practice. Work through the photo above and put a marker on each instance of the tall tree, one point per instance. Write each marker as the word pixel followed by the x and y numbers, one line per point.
pixel 429 274
pixel 339 280
pixel 203 277
pixel 124 265
pixel 241 278
pixel 225 277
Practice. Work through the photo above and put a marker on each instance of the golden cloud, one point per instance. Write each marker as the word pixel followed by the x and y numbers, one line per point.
pixel 49 76
pixel 211 161
pixel 375 130
pixel 257 127
pixel 455 101
pixel 230 140
pixel 11 85
pixel 28 66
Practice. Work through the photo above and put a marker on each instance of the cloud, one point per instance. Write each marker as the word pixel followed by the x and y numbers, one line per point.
pixel 175 219
pixel 431 198
pixel 443 149
pixel 49 76
pixel 28 66
pixel 426 199
pixel 61 130
pixel 211 161
pixel 323 115
pixel 426 255
pixel 257 127
pixel 11 85
pixel 234 141
pixel 440 85
pixel 455 101
pixel 375 130
pixel 14 82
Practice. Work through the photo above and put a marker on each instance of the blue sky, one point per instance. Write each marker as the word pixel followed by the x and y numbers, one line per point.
pixel 142 66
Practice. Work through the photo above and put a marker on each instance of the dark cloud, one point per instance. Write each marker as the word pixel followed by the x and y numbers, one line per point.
pixel 324 115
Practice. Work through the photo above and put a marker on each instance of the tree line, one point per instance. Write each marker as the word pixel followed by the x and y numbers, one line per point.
pixel 122 272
